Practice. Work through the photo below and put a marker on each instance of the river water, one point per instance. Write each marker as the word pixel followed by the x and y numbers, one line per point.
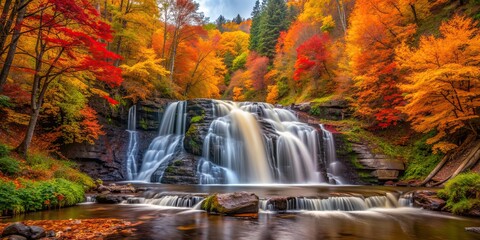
pixel 161 222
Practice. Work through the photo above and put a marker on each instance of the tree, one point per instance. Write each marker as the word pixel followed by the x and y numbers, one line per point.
pixel 255 28
pixel 376 28
pixel 312 57
pixel 220 22
pixel 10 14
pixel 67 35
pixel 443 87
pixel 183 14
pixel 273 21
pixel 238 19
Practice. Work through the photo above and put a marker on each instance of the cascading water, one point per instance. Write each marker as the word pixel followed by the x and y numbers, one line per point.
pixel 347 203
pixel 257 143
pixel 168 142
pixel 132 143
pixel 334 168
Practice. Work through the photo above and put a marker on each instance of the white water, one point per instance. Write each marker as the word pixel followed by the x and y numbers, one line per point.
pixel 237 150
pixel 334 167
pixel 132 143
pixel 169 140
pixel 169 201
pixel 337 203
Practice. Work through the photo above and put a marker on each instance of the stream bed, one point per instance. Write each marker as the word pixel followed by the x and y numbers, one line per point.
pixel 163 222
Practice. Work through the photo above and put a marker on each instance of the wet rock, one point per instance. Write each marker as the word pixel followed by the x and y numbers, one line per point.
pixel 232 203
pixel 181 170
pixel 111 199
pixel 15 237
pixel 473 229
pixel 278 203
pixel 37 232
pixel 199 118
pixel 428 200
pixel 17 228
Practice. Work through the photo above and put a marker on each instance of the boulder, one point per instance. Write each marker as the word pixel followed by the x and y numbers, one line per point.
pixel 428 199
pixel 111 199
pixel 17 228
pixel 37 232
pixel 473 229
pixel 232 203
pixel 15 237
pixel 278 203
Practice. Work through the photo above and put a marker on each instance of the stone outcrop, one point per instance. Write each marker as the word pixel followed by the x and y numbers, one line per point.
pixel 106 158
pixel 428 199
pixel 232 203
pixel 379 166
pixel 199 118
pixel 331 110
pixel 182 170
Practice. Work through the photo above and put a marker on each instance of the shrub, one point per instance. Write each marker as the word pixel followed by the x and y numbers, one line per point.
pixel 9 166
pixel 39 195
pixel 9 200
pixel 4 151
pixel 462 193
pixel 74 176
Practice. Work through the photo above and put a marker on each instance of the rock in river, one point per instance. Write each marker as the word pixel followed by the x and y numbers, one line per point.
pixel 232 203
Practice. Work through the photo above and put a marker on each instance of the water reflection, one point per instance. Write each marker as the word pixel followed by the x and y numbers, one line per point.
pixel 161 223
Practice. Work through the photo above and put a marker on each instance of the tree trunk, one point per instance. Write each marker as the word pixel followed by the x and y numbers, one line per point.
pixel 23 147
pixel 414 11
pixel 4 23
pixel 13 47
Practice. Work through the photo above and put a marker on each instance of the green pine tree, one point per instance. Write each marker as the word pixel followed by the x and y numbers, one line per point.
pixel 274 20
pixel 255 27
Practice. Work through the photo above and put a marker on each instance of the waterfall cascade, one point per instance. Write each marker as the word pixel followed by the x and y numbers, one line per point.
pixel 246 143
pixel 257 143
pixel 168 141
pixel 132 143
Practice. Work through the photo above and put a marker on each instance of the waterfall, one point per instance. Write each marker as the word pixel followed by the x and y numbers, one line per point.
pixel 168 141
pixel 257 143
pixel 132 143
pixel 334 168
pixel 334 203
pixel 169 201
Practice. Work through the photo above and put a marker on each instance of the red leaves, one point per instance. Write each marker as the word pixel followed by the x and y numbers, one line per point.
pixel 111 100
pixel 313 53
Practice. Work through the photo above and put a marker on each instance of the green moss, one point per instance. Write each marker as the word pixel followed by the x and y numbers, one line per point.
pixel 143 124
pixel 196 119
pixel 421 160
pixel 4 150
pixel 462 193
pixel 170 169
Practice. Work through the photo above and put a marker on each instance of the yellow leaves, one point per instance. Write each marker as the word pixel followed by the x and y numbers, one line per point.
pixel 139 78
pixel 17 118
pixel 237 94
pixel 272 96
pixel 234 43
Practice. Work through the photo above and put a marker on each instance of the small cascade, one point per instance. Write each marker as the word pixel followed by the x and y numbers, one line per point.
pixel 334 167
pixel 406 200
pixel 169 201
pixel 348 203
pixel 132 143
pixel 168 142
pixel 257 143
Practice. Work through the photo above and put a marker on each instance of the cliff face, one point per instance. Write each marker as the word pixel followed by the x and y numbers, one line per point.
pixel 106 158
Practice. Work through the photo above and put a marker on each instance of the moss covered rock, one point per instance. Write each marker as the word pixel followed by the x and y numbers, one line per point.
pixel 232 203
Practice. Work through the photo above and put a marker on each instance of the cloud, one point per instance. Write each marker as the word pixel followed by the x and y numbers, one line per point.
pixel 228 8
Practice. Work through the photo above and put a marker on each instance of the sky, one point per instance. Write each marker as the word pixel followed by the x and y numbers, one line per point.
pixel 228 8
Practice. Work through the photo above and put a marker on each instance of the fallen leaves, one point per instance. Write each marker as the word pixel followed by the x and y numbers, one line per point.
pixel 83 229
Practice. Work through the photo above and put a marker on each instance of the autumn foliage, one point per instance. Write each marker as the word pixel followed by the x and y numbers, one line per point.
pixel 443 87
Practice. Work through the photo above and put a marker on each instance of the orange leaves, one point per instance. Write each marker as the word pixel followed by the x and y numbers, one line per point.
pixel 84 229
pixel 90 127
pixel 443 87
